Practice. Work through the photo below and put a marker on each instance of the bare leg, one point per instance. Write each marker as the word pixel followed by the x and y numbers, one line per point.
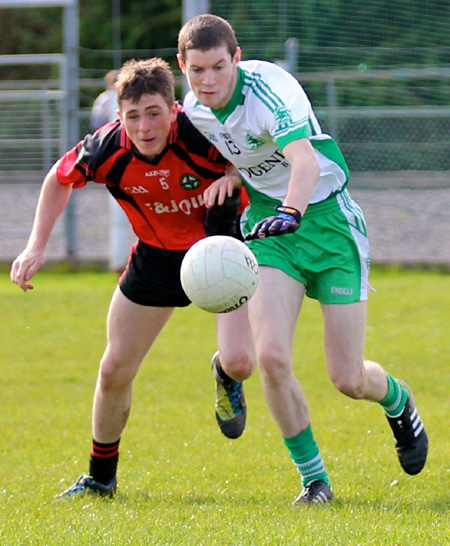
pixel 235 342
pixel 273 316
pixel 273 313
pixel 344 338
pixel 365 379
pixel 131 330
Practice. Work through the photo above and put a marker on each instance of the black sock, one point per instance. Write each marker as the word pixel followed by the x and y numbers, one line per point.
pixel 103 461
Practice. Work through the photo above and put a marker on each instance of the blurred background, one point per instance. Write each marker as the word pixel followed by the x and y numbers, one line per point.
pixel 377 73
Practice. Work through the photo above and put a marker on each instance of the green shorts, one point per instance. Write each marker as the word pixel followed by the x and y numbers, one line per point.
pixel 329 254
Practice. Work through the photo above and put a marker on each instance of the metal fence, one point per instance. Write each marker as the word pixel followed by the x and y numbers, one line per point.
pixel 374 139
pixel 391 139
pixel 30 133
pixel 404 152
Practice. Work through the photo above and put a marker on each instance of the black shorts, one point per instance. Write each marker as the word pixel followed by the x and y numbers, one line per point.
pixel 152 277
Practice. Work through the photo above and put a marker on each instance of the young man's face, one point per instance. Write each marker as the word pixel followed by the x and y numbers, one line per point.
pixel 212 74
pixel 148 123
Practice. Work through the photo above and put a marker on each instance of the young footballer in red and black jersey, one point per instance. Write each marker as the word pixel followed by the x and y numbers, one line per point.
pixel 157 166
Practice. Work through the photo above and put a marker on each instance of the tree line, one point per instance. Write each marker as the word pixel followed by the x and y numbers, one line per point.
pixel 332 35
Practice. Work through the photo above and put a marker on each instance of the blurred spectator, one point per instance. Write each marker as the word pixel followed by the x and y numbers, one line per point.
pixel 103 111
pixel 105 105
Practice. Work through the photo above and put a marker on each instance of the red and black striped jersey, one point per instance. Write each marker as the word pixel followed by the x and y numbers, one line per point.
pixel 162 198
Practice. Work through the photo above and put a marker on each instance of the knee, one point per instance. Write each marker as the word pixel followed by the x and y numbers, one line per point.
pixel 274 367
pixel 352 386
pixel 239 367
pixel 113 374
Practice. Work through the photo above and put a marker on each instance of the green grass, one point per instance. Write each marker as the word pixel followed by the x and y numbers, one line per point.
pixel 180 481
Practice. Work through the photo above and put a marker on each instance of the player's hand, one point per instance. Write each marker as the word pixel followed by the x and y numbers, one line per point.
pixel 287 221
pixel 24 267
pixel 220 189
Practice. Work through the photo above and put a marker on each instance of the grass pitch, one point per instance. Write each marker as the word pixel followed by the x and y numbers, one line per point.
pixel 180 481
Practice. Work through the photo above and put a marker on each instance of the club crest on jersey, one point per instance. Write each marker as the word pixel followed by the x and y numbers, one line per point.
pixel 253 142
pixel 189 181
pixel 283 117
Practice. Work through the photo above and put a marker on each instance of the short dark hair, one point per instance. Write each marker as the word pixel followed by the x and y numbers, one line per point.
pixel 150 76
pixel 206 32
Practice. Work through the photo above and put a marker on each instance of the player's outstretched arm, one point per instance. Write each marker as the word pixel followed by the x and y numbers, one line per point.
pixel 302 181
pixel 53 200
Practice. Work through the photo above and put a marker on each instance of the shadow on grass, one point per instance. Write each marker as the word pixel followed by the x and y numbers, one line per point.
pixel 192 499
pixel 438 505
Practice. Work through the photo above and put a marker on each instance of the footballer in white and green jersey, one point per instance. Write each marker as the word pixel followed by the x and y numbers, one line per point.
pixel 268 109
pixel 254 112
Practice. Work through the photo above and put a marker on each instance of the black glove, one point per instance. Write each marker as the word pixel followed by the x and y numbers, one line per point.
pixel 224 219
pixel 287 221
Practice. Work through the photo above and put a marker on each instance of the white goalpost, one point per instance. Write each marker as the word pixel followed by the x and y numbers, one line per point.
pixel 70 88
pixel 69 131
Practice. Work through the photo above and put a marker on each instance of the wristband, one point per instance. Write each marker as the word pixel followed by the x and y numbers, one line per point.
pixel 290 210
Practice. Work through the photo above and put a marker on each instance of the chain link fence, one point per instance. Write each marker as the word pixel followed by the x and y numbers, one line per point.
pixel 399 159
pixel 377 74
pixel 30 131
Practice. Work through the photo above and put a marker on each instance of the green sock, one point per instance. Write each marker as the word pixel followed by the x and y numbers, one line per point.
pixel 395 399
pixel 305 453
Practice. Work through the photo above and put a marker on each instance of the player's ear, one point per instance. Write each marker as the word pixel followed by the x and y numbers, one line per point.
pixel 181 63
pixel 174 111
pixel 237 55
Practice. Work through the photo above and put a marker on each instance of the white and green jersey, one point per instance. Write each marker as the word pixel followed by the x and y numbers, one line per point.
pixel 268 109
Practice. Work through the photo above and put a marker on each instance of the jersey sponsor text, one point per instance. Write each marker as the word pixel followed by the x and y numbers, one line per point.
pixel 158 172
pixel 186 206
pixel 277 158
